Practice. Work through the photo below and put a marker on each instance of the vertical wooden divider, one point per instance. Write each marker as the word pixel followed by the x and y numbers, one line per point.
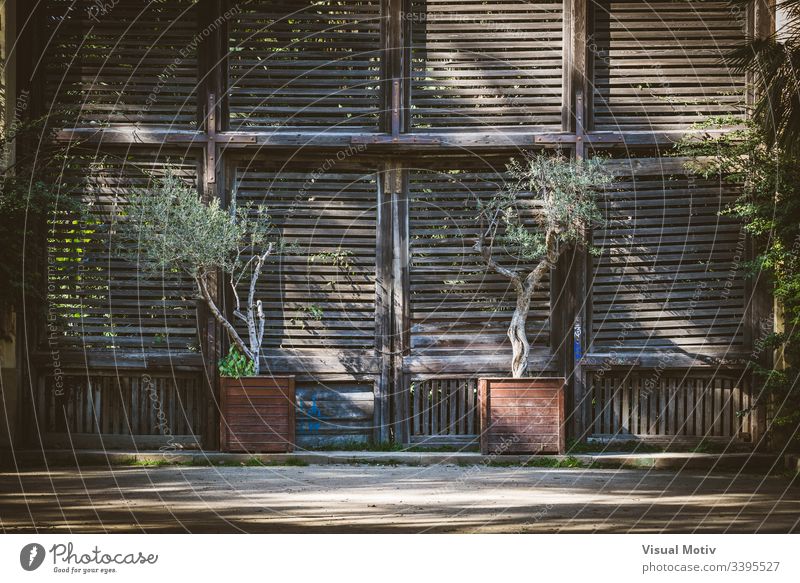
pixel 213 80
pixel 383 306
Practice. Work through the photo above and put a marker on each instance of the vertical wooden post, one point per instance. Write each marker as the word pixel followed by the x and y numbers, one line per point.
pixel 395 64
pixel 395 225
pixel 760 319
pixel 383 305
pixel 213 181
pixel 400 301
pixel 31 319
pixel 577 293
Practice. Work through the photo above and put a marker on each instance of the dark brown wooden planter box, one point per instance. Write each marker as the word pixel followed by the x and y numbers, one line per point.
pixel 522 415
pixel 257 414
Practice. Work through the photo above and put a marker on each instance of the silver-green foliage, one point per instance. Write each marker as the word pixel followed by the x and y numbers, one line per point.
pixel 562 192
pixel 169 231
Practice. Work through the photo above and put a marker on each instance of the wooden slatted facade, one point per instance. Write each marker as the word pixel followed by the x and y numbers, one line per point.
pixel 137 66
pixel 98 298
pixel 486 64
pixel 456 306
pixel 320 294
pixel 657 64
pixel 670 273
pixel 369 128
pixel 305 64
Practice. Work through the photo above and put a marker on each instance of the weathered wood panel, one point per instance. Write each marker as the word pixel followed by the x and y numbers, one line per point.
pixel 522 415
pixel 671 404
pixel 670 269
pixel 334 413
pixel 122 62
pixel 444 411
pixel 486 64
pixel 98 296
pixel 146 407
pixel 320 294
pixel 305 64
pixel 657 64
pixel 257 414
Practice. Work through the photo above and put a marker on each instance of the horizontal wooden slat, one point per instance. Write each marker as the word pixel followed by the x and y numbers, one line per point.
pixel 486 64
pixel 128 63
pixel 657 65
pixel 321 293
pixel 305 64
pixel 98 297
pixel 669 272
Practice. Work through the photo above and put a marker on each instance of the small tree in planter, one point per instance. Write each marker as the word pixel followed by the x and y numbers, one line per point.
pixel 172 232
pixel 565 206
pixel 548 206
pixel 175 233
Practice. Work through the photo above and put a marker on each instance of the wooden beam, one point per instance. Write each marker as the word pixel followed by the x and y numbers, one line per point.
pixel 541 359
pixel 383 306
pixel 760 316
pixel 214 180
pixel 440 142
pixel 397 182
pixel 654 358
pixel 122 360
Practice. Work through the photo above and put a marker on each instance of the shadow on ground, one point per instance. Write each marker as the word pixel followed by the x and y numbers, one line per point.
pixel 394 499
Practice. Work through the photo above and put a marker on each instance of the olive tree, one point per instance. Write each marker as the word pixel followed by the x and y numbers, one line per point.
pixel 168 231
pixel 548 205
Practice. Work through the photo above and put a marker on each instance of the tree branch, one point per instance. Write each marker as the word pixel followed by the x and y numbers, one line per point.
pixel 486 255
pixel 536 275
pixel 234 335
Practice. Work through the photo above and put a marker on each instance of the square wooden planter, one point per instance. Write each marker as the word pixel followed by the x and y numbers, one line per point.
pixel 257 414
pixel 522 415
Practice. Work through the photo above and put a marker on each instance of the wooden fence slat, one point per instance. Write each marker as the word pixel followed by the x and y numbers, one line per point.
pixel 469 405
pixel 625 427
pixel 652 409
pixel 708 408
pixel 635 396
pixel 452 390
pixel 680 410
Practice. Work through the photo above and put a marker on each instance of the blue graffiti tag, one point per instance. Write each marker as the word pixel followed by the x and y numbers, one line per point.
pixel 313 414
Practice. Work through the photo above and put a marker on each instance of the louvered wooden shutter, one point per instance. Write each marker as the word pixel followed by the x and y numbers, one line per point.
pixel 488 64
pixel 321 292
pixel 658 64
pixel 305 64
pixel 133 63
pixel 97 296
pixel 670 274
pixel 456 304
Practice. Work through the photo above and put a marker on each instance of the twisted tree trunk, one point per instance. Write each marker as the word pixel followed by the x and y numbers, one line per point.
pixel 517 334
pixel 520 347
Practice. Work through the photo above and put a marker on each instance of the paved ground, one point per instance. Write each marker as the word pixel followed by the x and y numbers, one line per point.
pixel 444 498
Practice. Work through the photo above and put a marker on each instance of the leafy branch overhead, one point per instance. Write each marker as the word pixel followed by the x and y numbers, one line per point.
pixel 548 206
pixel 172 231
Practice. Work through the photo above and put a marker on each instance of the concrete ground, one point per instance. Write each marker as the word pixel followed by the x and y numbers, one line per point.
pixel 368 498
